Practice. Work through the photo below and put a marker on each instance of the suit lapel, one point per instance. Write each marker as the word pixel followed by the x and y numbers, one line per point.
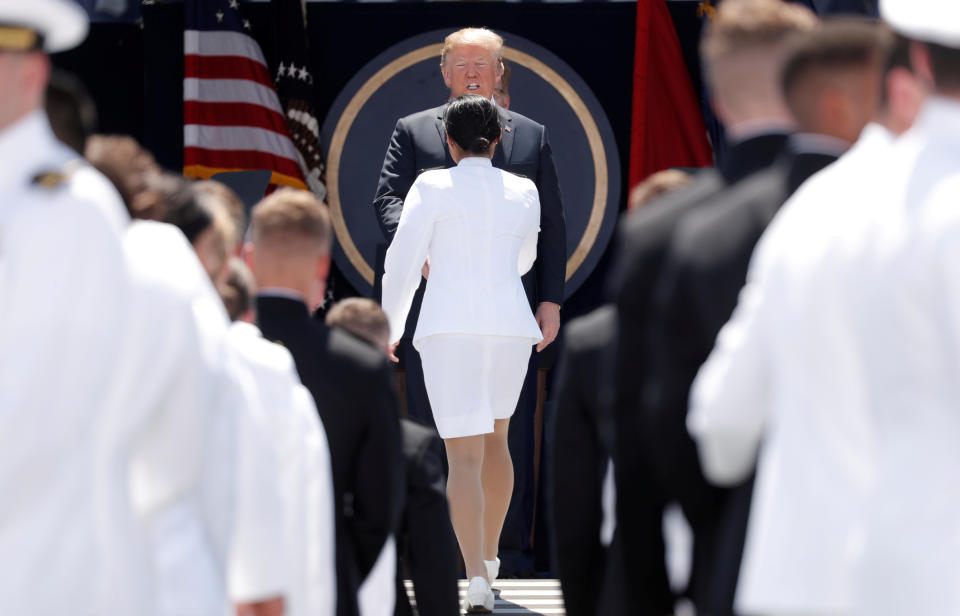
pixel 443 135
pixel 501 158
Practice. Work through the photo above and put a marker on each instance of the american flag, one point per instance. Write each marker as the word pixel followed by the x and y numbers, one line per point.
pixel 295 86
pixel 232 117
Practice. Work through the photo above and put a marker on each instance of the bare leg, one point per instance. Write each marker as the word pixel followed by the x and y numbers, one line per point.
pixel 465 494
pixel 497 485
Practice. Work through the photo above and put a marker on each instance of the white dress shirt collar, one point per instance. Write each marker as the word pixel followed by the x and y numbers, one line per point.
pixel 282 292
pixel 757 128
pixel 815 143
pixel 475 161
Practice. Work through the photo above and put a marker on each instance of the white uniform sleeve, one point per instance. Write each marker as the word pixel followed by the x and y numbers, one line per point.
pixel 728 400
pixel 258 563
pixel 62 306
pixel 528 250
pixel 406 256
pixel 312 519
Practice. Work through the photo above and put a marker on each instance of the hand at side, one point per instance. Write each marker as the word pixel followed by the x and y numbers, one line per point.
pixel 548 318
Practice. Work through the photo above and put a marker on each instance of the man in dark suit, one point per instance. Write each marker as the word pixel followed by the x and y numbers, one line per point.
pixel 471 64
pixel 426 544
pixel 590 567
pixel 829 80
pixel 350 382
pixel 741 55
pixel 429 550
pixel 590 572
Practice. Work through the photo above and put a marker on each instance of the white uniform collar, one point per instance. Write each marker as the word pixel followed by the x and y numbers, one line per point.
pixel 246 330
pixel 875 134
pixel 25 147
pixel 939 119
pixel 475 161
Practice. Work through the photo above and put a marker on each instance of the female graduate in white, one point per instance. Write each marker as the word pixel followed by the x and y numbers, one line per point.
pixel 478 227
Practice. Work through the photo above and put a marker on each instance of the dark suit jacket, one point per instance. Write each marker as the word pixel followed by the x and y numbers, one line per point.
pixel 353 390
pixel 590 574
pixel 697 292
pixel 643 238
pixel 419 143
pixel 430 550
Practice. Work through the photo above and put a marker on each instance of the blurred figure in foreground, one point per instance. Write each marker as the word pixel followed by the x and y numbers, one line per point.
pixel 830 81
pixel 589 551
pixel 72 114
pixel 350 382
pixel 303 473
pixel 856 402
pixel 742 53
pixel 656 185
pixel 64 303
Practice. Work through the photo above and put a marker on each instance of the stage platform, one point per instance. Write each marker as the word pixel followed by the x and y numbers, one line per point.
pixel 529 597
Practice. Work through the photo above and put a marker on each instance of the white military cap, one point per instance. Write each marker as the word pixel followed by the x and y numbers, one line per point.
pixel 932 21
pixel 56 25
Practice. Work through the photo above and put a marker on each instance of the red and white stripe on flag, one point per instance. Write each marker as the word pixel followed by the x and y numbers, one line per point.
pixel 232 117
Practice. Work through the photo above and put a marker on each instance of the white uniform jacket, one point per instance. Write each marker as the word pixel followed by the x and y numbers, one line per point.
pixel 179 399
pixel 478 225
pixel 63 302
pixel 304 478
pixel 907 270
pixel 788 370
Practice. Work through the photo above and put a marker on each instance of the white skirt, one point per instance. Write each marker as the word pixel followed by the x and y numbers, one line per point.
pixel 472 380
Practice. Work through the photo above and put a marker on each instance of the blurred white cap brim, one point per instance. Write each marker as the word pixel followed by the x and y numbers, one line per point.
pixel 932 21
pixel 62 23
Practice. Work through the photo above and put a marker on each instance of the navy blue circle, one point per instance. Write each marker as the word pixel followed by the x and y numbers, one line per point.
pixel 420 87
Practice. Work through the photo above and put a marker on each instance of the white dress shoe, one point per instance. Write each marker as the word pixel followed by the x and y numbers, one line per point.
pixel 479 599
pixel 493 569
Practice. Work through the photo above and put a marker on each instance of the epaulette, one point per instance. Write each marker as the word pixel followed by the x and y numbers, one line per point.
pixel 430 169
pixel 55 178
pixel 519 175
pixel 49 179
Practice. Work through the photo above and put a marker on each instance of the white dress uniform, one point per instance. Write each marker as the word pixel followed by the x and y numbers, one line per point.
pixel 63 302
pixel 179 399
pixel 478 225
pixel 304 478
pixel 787 370
pixel 908 271
pixel 258 562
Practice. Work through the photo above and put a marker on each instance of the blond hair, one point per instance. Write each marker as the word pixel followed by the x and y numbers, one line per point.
pixel 505 78
pixel 655 185
pixel 746 25
pixel 473 36
pixel 743 49
pixel 289 220
pixel 361 317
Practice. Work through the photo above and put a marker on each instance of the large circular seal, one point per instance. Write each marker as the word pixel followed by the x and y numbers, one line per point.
pixel 405 79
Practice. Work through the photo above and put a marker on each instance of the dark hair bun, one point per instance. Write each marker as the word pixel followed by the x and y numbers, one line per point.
pixel 481 144
pixel 473 123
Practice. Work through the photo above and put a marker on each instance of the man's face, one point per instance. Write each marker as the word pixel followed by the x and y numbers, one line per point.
pixel 471 69
pixel 11 77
